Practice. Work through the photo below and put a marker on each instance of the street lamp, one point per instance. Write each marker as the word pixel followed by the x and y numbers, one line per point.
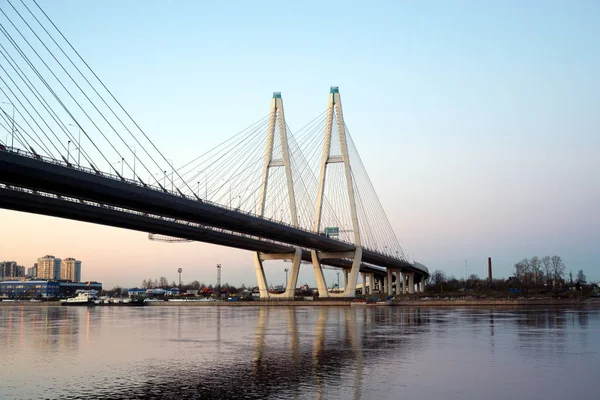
pixel 171 173
pixel 78 144
pixel 286 271
pixel 230 190
pixel 12 130
pixel 205 184
pixel 68 150
pixel 165 179
pixel 121 162
pixel 134 157
pixel 179 270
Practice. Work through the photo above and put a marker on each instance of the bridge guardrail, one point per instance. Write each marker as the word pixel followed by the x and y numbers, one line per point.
pixel 179 194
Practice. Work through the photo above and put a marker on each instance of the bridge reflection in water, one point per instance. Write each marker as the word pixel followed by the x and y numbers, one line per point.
pixel 296 352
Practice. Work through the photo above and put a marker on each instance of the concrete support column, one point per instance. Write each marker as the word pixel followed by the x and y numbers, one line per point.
pixel 422 283
pixel 364 283
pixel 388 286
pixel 398 282
pixel 403 282
pixel 319 277
pixel 260 277
pixel 411 282
pixel 371 283
pixel 346 272
pixel 385 285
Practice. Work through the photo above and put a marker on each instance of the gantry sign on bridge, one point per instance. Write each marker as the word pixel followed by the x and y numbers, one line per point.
pixel 302 197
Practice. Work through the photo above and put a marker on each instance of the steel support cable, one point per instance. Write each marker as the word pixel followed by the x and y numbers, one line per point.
pixel 11 63
pixel 238 155
pixel 242 169
pixel 225 156
pixel 81 90
pixel 383 234
pixel 15 66
pixel 378 202
pixel 18 110
pixel 251 129
pixel 224 170
pixel 44 147
pixel 16 129
pixel 15 133
pixel 101 83
pixel 9 130
pixel 44 104
pixel 191 167
pixel 63 105
pixel 17 86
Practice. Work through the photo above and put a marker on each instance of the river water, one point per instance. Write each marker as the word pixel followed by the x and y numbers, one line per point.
pixel 298 352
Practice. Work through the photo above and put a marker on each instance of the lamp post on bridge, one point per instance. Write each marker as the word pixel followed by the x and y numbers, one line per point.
pixel 205 184
pixel 12 130
pixel 78 144
pixel 117 162
pixel 172 170
pixel 134 157
pixel 286 271
pixel 68 151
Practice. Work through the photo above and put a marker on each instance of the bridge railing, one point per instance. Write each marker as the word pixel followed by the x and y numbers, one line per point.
pixel 161 189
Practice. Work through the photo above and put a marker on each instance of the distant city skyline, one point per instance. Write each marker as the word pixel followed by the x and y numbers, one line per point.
pixel 478 124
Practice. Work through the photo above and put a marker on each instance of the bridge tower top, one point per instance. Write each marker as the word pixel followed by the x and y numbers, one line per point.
pixel 277 122
pixel 334 112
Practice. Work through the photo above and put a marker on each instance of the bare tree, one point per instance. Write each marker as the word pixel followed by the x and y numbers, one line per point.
pixel 536 269
pixel 547 263
pixel 437 277
pixel 558 269
pixel 522 269
pixel 581 277
pixel 163 282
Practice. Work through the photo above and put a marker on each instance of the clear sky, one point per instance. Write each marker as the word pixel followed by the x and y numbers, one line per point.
pixel 477 121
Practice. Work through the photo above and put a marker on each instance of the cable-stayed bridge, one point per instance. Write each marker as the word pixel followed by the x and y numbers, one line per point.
pixel 69 149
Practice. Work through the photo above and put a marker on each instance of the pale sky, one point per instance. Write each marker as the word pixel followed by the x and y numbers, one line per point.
pixel 478 122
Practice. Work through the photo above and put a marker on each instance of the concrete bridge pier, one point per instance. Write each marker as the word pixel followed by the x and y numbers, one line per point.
pixel 263 287
pixel 364 283
pixel 403 282
pixel 388 285
pixel 399 282
pixel 346 273
pixel 411 282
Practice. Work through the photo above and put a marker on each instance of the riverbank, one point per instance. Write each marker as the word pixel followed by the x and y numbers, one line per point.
pixel 449 302
pixel 401 302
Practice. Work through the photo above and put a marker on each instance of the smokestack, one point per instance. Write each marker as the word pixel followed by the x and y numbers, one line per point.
pixel 490 271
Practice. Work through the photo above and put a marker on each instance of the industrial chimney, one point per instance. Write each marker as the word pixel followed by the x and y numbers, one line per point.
pixel 490 271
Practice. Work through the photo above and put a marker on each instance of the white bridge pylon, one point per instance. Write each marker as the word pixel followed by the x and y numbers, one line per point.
pixel 334 112
pixel 277 119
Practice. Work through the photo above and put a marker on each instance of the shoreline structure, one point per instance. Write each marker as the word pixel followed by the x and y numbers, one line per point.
pixel 450 303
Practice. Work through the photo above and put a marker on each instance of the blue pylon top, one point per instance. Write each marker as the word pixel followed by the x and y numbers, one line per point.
pixel 334 89
pixel 276 95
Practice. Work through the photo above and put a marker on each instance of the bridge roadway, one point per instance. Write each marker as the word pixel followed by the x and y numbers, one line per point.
pixel 26 170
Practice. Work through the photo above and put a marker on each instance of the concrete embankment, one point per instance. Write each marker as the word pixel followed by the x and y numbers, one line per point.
pixel 494 302
pixel 256 303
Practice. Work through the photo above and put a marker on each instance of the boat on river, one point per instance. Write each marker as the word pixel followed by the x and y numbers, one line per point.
pixel 83 298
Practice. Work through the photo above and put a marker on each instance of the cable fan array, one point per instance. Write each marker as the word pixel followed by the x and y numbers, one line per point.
pixel 55 105
pixel 52 104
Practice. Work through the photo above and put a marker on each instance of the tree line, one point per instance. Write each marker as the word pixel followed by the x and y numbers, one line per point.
pixel 545 271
